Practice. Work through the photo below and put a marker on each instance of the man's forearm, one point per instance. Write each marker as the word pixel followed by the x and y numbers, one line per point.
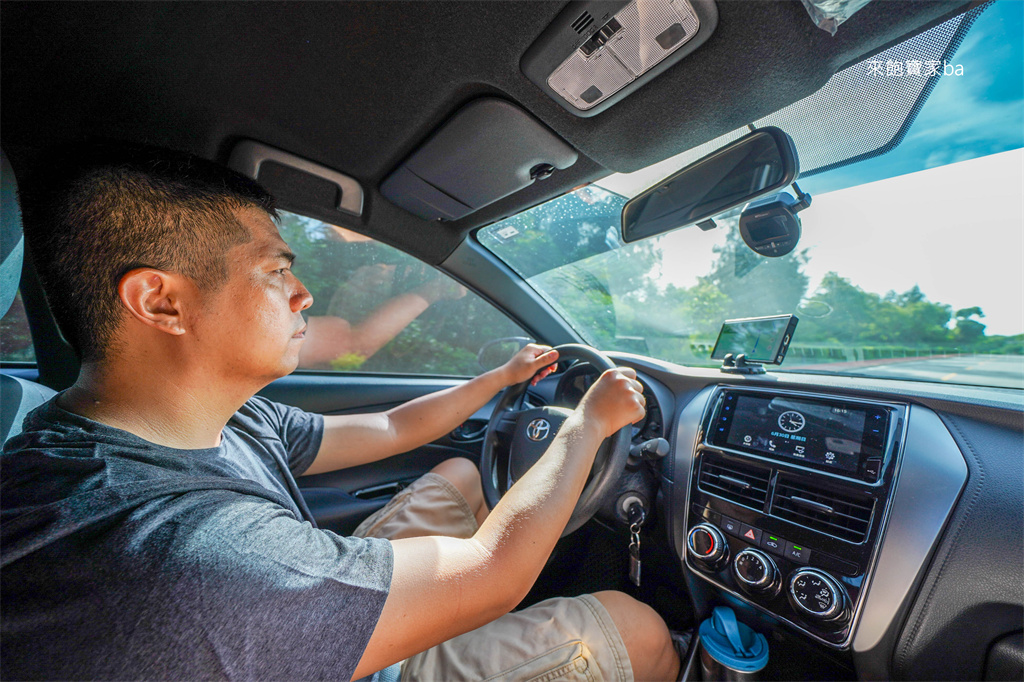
pixel 442 587
pixel 350 440
pixel 358 439
pixel 430 417
pixel 538 507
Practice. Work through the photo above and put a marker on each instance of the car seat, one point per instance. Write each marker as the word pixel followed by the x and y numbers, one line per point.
pixel 17 396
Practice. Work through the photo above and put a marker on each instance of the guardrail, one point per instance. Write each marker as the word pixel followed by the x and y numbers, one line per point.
pixel 817 354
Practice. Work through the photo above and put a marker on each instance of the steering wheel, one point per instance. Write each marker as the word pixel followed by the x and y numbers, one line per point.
pixel 516 438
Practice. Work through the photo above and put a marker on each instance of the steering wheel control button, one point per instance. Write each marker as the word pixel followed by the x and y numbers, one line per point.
pixel 750 534
pixel 773 544
pixel 731 526
pixel 797 553
pixel 707 546
pixel 816 595
pixel 755 571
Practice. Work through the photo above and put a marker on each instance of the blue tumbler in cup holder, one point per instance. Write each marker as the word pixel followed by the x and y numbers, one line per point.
pixel 729 649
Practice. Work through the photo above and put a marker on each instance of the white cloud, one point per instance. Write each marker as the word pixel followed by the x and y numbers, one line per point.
pixel 956 231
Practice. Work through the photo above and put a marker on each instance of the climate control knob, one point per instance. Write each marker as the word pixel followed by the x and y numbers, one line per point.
pixel 755 572
pixel 818 596
pixel 707 546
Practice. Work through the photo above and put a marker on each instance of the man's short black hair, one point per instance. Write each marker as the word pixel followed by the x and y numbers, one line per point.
pixel 95 211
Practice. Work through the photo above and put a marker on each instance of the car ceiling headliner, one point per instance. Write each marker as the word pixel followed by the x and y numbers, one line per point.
pixel 358 86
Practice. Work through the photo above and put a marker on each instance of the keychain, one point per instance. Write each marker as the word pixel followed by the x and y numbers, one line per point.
pixel 637 516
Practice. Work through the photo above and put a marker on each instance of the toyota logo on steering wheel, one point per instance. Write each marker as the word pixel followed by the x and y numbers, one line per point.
pixel 538 429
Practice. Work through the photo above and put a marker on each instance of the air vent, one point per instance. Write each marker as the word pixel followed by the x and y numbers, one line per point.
pixel 839 515
pixel 582 21
pixel 738 482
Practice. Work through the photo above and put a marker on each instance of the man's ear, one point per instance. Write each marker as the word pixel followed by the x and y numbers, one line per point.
pixel 154 298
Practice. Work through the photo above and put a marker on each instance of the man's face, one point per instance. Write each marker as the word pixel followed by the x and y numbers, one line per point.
pixel 251 328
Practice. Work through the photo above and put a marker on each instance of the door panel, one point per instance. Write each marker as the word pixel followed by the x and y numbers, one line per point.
pixel 340 500
pixel 351 393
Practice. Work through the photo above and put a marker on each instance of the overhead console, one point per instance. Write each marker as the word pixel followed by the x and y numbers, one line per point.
pixel 788 496
pixel 597 52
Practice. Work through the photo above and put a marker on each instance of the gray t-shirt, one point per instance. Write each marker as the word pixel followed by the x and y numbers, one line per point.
pixel 124 559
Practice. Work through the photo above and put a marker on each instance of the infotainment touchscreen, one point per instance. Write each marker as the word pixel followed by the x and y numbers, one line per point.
pixel 832 435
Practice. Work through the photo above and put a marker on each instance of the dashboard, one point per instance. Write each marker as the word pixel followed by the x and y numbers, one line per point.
pixel 788 496
pixel 878 522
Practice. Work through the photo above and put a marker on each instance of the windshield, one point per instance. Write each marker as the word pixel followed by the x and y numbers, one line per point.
pixel 909 266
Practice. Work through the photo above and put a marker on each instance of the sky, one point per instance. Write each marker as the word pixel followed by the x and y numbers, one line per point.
pixel 955 231
pixel 978 113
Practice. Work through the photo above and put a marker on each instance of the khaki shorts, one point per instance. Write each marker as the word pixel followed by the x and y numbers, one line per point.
pixel 558 639
pixel 432 505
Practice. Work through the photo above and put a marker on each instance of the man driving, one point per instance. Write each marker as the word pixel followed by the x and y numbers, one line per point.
pixel 152 526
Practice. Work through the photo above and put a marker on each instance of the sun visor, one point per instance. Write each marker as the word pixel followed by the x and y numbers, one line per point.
pixel 489 149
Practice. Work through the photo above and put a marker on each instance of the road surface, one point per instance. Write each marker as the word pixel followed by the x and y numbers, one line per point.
pixel 1006 371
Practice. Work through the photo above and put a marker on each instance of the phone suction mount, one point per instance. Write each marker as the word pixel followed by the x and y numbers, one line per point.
pixel 738 364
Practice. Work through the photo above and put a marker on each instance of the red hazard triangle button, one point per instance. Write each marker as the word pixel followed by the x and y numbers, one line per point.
pixel 751 534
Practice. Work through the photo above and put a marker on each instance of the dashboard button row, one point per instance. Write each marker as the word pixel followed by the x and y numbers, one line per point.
pixel 750 534
pixel 774 544
pixel 757 537
pixel 797 554
pixel 784 548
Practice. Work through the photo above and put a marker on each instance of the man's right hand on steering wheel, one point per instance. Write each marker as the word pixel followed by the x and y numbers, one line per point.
pixel 615 399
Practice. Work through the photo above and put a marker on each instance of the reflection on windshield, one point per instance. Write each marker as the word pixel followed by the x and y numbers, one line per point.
pixel 668 296
pixel 376 309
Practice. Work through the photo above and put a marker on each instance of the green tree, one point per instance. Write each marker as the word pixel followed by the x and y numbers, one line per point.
pixel 704 308
pixel 859 317
pixel 852 311
pixel 968 330
pixel 755 285
pixel 571 245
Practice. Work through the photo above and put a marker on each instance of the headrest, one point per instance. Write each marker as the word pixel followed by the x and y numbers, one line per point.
pixel 12 244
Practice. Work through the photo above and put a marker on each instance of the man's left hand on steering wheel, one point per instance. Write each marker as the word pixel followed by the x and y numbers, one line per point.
pixel 533 360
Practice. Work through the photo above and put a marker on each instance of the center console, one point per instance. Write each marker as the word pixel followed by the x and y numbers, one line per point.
pixel 787 495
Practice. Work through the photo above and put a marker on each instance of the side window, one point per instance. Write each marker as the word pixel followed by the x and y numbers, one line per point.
pixel 15 338
pixel 377 309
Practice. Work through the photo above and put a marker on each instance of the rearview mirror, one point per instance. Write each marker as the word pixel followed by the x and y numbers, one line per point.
pixel 496 353
pixel 762 162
